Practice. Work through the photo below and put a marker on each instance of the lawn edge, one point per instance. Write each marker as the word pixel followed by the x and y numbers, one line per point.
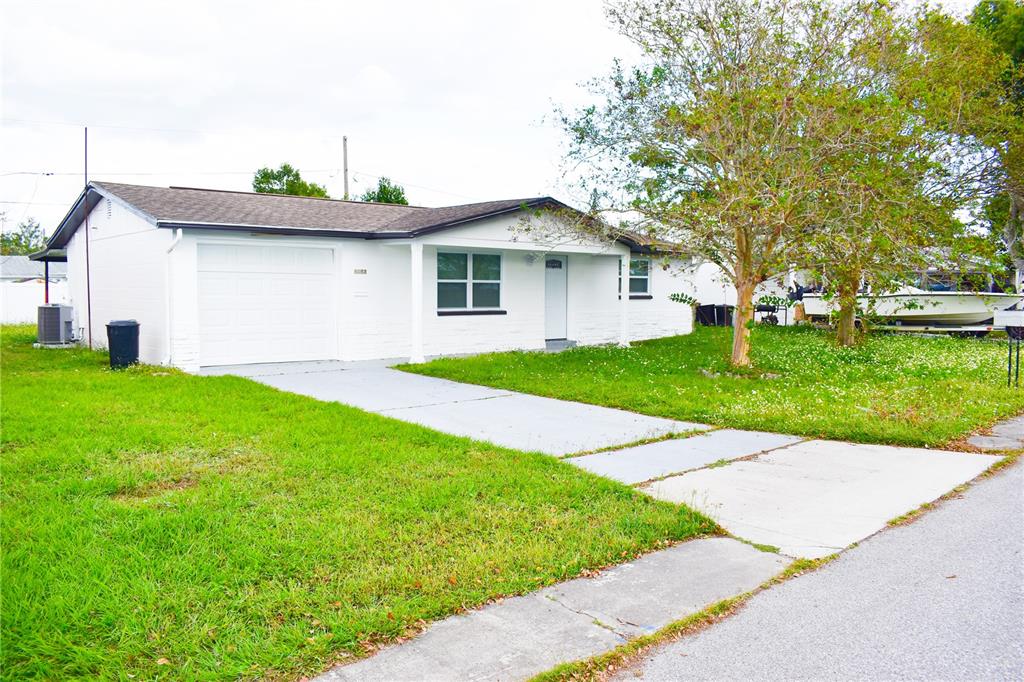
pixel 599 667
pixel 371 646
pixel 1005 458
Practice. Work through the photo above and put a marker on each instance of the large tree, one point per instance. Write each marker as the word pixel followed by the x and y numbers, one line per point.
pixel 720 141
pixel 386 192
pixel 286 180
pixel 915 117
pixel 27 238
pixel 1002 21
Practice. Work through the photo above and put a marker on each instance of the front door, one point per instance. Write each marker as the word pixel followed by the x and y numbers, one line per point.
pixel 555 285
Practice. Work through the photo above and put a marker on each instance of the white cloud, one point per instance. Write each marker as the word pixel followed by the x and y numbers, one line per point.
pixel 445 97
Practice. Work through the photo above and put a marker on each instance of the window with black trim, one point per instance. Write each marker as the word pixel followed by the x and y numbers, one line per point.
pixel 468 281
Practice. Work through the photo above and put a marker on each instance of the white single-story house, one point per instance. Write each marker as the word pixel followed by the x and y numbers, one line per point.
pixel 222 277
pixel 26 284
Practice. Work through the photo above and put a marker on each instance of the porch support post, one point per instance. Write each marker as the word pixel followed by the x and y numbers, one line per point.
pixel 624 302
pixel 416 302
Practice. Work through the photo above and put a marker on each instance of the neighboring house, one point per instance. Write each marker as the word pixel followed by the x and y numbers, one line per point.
pixel 709 284
pixel 218 277
pixel 23 287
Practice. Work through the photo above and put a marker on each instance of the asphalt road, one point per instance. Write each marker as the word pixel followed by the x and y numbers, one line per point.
pixel 939 599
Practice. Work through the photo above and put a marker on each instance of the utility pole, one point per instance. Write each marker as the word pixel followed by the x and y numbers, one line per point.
pixel 88 276
pixel 344 162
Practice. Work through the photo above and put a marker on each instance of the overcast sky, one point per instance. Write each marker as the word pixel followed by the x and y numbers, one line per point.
pixel 450 99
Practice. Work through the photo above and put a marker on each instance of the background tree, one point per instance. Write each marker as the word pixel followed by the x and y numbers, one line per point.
pixel 286 180
pixel 385 193
pixel 718 143
pixel 27 238
pixel 1002 21
pixel 912 110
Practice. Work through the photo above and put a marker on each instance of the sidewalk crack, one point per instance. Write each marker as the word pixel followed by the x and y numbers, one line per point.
pixel 445 402
pixel 595 619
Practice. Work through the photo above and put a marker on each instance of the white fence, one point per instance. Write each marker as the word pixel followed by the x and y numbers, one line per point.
pixel 19 300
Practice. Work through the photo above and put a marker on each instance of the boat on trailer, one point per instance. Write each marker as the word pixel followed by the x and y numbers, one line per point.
pixel 941 307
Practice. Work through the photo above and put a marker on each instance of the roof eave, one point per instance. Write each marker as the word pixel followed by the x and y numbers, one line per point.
pixel 274 229
pixel 533 203
pixel 49 255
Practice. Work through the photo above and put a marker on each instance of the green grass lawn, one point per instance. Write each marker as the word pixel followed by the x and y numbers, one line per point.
pixel 156 524
pixel 890 389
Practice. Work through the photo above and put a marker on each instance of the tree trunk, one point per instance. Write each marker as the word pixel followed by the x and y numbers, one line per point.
pixel 741 318
pixel 846 325
pixel 1013 232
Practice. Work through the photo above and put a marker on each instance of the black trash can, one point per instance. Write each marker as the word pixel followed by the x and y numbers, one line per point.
pixel 123 342
pixel 715 315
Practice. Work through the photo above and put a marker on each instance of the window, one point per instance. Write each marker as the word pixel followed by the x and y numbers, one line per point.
pixel 468 280
pixel 639 276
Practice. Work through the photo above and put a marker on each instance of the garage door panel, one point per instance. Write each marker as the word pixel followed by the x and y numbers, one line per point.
pixel 266 304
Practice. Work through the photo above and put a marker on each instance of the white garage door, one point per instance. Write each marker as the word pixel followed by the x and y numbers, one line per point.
pixel 266 304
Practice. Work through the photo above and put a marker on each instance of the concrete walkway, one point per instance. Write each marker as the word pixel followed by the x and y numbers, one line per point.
pixel 654 460
pixel 937 599
pixel 520 637
pixel 1006 435
pixel 515 420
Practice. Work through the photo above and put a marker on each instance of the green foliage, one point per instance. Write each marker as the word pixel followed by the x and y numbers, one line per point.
pixel 780 301
pixel 159 525
pixel 1003 21
pixel 385 193
pixel 756 135
pixel 1002 213
pixel 888 389
pixel 682 297
pixel 286 180
pixel 27 238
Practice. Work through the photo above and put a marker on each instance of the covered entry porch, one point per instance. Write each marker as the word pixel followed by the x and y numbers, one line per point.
pixel 471 295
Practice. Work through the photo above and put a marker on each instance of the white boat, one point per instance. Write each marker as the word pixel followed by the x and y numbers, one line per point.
pixel 916 307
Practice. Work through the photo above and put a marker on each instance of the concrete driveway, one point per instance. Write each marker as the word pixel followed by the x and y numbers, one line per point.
pixel 515 420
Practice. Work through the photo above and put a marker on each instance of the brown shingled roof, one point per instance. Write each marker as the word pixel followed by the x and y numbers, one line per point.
pixel 189 205
pixel 219 207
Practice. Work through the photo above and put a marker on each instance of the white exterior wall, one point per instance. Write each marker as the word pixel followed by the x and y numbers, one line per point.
pixel 133 276
pixel 594 310
pixel 127 259
pixel 375 309
pixel 592 297
pixel 19 301
pixel 522 298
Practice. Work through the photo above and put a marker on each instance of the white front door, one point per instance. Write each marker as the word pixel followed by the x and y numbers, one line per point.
pixel 266 304
pixel 555 285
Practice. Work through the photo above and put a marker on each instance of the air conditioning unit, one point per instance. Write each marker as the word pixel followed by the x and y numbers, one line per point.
pixel 55 324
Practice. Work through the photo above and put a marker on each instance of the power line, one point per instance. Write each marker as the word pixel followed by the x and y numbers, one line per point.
pixel 409 184
pixel 190 131
pixel 149 173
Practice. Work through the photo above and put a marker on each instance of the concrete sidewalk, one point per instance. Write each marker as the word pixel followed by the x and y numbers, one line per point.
pixel 520 637
pixel 515 420
pixel 815 498
pixel 938 599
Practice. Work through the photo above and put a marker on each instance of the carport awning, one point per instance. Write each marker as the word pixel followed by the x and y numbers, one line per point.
pixel 50 256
